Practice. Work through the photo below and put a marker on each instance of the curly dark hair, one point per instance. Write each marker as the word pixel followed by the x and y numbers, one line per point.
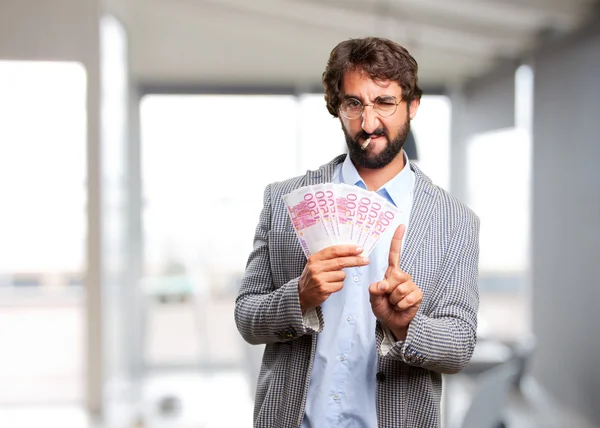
pixel 380 59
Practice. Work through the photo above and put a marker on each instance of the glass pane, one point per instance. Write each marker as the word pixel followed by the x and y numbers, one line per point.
pixel 503 207
pixel 431 129
pixel 205 163
pixel 320 134
pixel 204 174
pixel 42 192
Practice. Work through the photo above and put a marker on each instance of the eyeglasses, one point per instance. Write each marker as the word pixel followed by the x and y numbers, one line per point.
pixel 352 108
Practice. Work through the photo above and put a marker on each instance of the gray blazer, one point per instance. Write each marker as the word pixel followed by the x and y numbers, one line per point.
pixel 440 253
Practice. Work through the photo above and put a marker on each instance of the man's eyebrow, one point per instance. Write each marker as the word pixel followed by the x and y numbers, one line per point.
pixel 356 97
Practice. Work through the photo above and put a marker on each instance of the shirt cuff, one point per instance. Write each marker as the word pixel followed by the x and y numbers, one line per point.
pixel 310 319
pixel 388 341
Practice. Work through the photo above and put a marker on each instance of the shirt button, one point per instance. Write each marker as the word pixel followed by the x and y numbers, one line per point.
pixel 342 358
pixel 349 318
pixel 336 397
pixel 356 279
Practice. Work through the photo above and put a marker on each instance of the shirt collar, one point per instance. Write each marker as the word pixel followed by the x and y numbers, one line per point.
pixel 394 190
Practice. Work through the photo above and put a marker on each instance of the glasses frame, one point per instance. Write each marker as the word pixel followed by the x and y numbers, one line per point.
pixel 362 110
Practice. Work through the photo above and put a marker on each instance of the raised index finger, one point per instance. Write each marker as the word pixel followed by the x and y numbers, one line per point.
pixel 396 246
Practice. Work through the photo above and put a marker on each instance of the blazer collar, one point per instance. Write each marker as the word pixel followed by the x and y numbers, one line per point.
pixel 325 173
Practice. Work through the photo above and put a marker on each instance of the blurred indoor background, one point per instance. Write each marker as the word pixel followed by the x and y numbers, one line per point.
pixel 136 139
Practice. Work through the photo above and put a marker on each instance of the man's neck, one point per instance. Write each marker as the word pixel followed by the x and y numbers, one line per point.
pixel 375 178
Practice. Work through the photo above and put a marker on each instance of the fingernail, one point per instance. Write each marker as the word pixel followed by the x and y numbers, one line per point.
pixel 365 260
pixel 382 286
pixel 359 249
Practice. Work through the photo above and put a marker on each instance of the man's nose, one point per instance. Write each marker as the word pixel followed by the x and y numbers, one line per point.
pixel 370 119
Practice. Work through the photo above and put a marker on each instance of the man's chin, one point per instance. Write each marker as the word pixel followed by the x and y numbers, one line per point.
pixel 374 156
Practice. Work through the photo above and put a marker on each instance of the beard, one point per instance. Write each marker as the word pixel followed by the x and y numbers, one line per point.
pixel 364 159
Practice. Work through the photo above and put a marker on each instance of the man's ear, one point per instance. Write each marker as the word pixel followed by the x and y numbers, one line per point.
pixel 413 107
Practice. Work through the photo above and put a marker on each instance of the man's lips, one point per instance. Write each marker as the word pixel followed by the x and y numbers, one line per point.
pixel 366 143
pixel 370 139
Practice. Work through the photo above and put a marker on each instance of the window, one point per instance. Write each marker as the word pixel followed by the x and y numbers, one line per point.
pixel 42 194
pixel 499 191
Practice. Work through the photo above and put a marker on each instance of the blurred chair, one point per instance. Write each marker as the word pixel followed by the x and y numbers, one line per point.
pixel 522 354
pixel 490 396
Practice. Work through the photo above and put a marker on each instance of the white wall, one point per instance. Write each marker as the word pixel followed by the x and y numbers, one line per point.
pixel 566 221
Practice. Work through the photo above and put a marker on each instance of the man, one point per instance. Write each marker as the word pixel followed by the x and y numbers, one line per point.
pixel 355 342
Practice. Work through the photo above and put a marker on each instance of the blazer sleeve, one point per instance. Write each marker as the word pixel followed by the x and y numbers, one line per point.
pixel 443 341
pixel 263 312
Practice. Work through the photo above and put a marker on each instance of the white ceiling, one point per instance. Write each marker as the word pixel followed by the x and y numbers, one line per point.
pixel 287 42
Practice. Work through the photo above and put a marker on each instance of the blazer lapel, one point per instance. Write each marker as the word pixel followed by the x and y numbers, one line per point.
pixel 420 217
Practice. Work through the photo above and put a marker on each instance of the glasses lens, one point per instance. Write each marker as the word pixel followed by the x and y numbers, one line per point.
pixel 385 107
pixel 352 108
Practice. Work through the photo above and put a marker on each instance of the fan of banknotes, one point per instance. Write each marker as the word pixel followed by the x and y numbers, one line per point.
pixel 330 214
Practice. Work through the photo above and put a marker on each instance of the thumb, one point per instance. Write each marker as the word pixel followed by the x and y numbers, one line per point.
pixel 378 288
pixel 376 297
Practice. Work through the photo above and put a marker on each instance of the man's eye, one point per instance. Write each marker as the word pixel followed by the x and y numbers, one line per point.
pixel 353 104
pixel 385 103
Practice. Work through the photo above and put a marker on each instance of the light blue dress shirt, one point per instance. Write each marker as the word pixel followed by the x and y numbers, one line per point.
pixel 343 384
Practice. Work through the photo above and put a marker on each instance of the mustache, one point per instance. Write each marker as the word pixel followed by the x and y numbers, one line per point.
pixel 379 132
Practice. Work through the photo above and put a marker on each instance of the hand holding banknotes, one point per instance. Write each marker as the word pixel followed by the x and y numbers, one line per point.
pixel 396 299
pixel 323 274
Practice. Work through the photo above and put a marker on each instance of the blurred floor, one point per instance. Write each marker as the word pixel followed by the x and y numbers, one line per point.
pixel 41 369
pixel 181 400
pixel 531 407
pixel 41 342
pixel 64 416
